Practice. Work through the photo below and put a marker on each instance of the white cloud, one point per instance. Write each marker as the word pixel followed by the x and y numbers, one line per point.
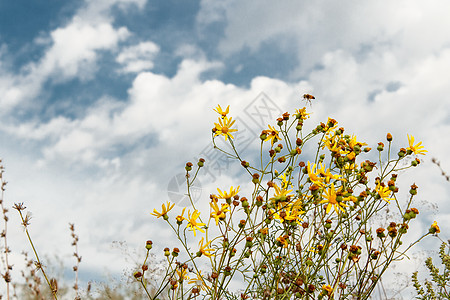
pixel 75 49
pixel 212 11
pixel 138 58
pixel 100 10
pixel 92 138
pixel 408 29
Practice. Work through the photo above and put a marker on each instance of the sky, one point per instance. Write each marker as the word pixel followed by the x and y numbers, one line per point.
pixel 103 102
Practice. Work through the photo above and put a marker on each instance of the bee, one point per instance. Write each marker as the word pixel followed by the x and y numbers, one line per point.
pixel 308 98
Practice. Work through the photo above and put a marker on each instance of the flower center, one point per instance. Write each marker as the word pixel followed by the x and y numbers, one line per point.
pixel 332 199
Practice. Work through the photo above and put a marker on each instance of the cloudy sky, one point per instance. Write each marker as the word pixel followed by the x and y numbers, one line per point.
pixel 103 101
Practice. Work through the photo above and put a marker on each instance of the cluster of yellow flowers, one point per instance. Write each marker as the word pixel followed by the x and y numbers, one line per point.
pixel 310 202
pixel 224 125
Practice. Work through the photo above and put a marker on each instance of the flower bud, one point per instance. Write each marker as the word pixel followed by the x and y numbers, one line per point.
pixel 249 241
pixel 392 232
pixel 389 137
pixel 148 245
pixel 242 224
pixel 263 269
pixel 244 202
pixel 233 252
pixel 380 146
pixel 375 254
pixel 321 158
pixel 255 179
pixel 259 201
pixel 227 271
pixel 201 162
pixel 403 228
pixel 166 252
pixel 402 152
pixel 380 232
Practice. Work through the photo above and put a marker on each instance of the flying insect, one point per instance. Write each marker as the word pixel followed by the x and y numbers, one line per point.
pixel 308 98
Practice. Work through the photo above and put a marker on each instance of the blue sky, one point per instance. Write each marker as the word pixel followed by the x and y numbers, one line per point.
pixel 103 102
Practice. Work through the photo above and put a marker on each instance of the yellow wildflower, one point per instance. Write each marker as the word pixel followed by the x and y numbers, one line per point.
pixel 164 211
pixel 282 240
pixel 318 247
pixel 384 192
pixel 434 228
pixel 285 183
pixel 334 199
pixel 218 213
pixel 313 175
pixel 331 124
pixel 280 195
pixel 416 149
pixel 327 175
pixel 272 135
pixel 348 167
pixel 199 281
pixel 352 198
pixel 353 142
pixel 224 128
pixel 219 110
pixel 180 218
pixel 332 143
pixel 193 224
pixel 302 113
pixel 182 273
pixel 351 155
pixel 224 195
pixel 327 288
pixel 290 213
pixel 204 250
